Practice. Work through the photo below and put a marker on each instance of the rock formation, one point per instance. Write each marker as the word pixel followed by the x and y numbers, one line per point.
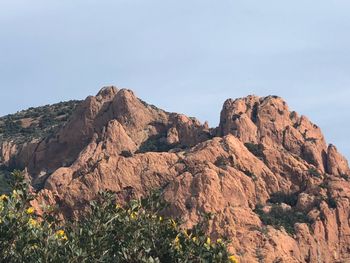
pixel 262 158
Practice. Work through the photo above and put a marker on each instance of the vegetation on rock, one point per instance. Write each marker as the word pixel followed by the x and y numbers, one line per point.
pixel 109 140
pixel 286 198
pixel 135 232
pixel 35 123
pixel 280 217
pixel 256 149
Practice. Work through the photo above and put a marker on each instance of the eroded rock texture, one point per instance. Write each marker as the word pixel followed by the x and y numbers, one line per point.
pixel 262 157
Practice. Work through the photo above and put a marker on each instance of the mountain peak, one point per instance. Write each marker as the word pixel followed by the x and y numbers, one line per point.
pixel 265 172
pixel 108 91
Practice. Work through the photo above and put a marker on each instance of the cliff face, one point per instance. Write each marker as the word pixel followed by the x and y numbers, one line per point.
pixel 274 186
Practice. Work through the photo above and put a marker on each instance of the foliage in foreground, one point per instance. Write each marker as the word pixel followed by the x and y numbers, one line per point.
pixel 110 233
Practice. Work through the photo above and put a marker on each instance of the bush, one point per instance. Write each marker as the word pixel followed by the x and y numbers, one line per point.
pixel 281 197
pixel 331 202
pixel 11 126
pixel 156 143
pixel 250 174
pixel 313 172
pixel 126 154
pixel 222 161
pixel 135 232
pixel 256 149
pixel 4 187
pixel 279 217
pixel 345 177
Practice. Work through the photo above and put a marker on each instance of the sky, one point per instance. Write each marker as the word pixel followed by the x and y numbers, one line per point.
pixel 185 56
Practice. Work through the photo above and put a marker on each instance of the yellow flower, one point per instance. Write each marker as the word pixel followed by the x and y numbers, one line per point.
pixel 232 259
pixel 133 215
pixel 173 223
pixel 30 210
pixel 60 234
pixel 186 234
pixel 194 239
pixel 15 194
pixel 3 197
pixel 208 241
pixel 219 241
pixel 117 206
pixel 33 247
pixel 160 219
pixel 177 243
pixel 33 223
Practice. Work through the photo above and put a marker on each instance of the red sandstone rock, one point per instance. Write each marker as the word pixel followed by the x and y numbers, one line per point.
pixel 117 142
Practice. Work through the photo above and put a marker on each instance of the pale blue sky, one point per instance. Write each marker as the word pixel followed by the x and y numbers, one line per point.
pixel 184 55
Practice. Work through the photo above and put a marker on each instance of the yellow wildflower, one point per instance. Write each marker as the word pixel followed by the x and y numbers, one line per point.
pixel 194 239
pixel 33 247
pixel 160 219
pixel 208 241
pixel 232 259
pixel 30 210
pixel 15 194
pixel 186 234
pixel 60 234
pixel 117 206
pixel 219 241
pixel 3 197
pixel 177 243
pixel 173 223
pixel 33 223
pixel 133 215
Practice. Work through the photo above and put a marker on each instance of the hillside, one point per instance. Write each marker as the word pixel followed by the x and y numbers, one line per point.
pixel 275 188
pixel 32 124
pixel 35 123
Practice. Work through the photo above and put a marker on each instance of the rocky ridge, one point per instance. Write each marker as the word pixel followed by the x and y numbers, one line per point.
pixel 274 186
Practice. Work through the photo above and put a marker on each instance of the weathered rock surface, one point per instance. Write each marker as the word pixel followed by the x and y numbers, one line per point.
pixel 260 155
pixel 7 150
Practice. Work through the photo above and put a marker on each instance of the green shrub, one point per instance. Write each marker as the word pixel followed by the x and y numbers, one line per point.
pixel 313 172
pixel 331 202
pixel 281 197
pixel 256 149
pixel 279 217
pixel 250 174
pixel 135 232
pixel 156 143
pixel 4 186
pixel 222 161
pixel 126 154
pixel 345 177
